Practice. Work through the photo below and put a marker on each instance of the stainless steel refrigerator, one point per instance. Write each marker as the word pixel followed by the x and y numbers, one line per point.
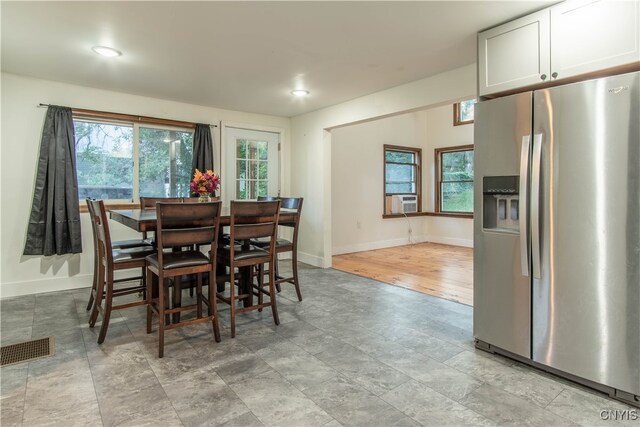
pixel 557 230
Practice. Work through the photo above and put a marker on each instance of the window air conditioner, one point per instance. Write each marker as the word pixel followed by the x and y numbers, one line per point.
pixel 404 204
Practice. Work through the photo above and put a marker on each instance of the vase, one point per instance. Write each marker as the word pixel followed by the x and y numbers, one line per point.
pixel 204 198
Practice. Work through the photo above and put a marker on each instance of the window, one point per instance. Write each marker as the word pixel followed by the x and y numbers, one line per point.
pixel 252 160
pixel 401 173
pixel 123 161
pixel 454 168
pixel 463 112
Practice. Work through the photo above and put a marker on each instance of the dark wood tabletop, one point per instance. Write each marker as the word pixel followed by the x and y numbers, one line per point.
pixel 145 220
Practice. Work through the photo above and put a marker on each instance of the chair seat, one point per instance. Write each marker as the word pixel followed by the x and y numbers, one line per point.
pixel 123 255
pixel 263 242
pixel 133 243
pixel 241 254
pixel 173 260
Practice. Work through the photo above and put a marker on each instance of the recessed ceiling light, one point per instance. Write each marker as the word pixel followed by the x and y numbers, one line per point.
pixel 106 51
pixel 299 92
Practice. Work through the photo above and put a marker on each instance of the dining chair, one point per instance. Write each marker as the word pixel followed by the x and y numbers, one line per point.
pixel 284 245
pixel 250 220
pixel 108 260
pixel 183 224
pixel 115 244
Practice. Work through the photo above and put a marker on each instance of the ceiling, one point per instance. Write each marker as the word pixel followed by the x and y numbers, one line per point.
pixel 247 56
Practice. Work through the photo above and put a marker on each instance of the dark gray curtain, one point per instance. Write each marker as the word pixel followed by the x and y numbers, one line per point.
pixel 202 149
pixel 54 224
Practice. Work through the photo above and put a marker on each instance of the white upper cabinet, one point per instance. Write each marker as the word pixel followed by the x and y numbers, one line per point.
pixel 515 54
pixel 565 40
pixel 593 35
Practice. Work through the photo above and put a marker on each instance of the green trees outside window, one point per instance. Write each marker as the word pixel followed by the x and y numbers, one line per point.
pixel 123 161
pixel 455 179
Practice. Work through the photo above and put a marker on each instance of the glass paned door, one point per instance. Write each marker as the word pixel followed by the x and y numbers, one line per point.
pixel 252 169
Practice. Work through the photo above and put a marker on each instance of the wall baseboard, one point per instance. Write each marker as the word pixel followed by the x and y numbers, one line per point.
pixel 314 260
pixel 369 246
pixel 40 286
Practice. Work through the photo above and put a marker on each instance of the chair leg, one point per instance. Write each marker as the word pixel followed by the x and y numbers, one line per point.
pixel 97 301
pixel 294 267
pixel 177 297
pixel 95 278
pixel 232 300
pixel 260 284
pixel 198 295
pixel 213 307
pixel 106 314
pixel 149 299
pixel 161 316
pixel 276 275
pixel 272 291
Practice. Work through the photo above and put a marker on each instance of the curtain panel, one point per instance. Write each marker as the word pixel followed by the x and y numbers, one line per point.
pixel 202 149
pixel 54 223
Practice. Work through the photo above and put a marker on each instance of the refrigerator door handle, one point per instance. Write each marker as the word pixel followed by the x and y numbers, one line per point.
pixel 535 205
pixel 524 197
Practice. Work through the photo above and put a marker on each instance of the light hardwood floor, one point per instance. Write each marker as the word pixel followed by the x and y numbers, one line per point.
pixel 440 270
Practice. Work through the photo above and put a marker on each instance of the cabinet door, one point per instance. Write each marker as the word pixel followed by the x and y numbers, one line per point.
pixel 515 54
pixel 593 35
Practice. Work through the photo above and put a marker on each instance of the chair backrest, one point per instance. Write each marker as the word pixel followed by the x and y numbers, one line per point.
pixel 267 198
pixel 147 203
pixel 294 204
pixel 100 227
pixel 186 224
pixel 252 220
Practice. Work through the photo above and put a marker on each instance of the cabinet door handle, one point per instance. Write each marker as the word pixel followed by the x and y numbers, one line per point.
pixel 554 75
pixel 543 77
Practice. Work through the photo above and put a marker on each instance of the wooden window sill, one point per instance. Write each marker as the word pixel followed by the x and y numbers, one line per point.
pixel 111 206
pixel 444 214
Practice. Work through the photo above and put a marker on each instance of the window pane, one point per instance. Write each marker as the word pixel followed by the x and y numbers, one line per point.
pixel 457 166
pixel 104 155
pixel 466 110
pixel 399 157
pixel 165 162
pixel 252 190
pixel 402 173
pixel 400 188
pixel 457 197
pixel 241 170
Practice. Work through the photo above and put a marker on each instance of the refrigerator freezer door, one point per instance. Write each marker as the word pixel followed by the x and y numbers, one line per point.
pixel 586 305
pixel 502 290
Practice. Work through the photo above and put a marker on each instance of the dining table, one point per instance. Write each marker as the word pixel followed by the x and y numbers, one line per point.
pixel 146 220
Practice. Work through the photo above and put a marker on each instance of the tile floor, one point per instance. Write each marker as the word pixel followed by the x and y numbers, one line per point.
pixel 354 352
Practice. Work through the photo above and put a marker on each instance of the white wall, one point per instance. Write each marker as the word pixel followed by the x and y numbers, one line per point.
pixel 357 177
pixel 311 152
pixel 21 130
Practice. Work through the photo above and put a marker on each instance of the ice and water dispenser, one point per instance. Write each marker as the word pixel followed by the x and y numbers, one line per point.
pixel 501 203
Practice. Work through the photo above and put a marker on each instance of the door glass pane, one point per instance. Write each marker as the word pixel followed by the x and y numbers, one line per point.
pixel 104 156
pixel 263 170
pixel 165 162
pixel 457 197
pixel 262 150
pixel 252 168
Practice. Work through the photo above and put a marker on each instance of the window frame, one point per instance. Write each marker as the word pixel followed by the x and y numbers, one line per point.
pixel 438 152
pixel 135 122
pixel 457 110
pixel 417 151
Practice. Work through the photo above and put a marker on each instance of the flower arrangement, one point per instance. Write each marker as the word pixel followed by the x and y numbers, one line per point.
pixel 204 183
